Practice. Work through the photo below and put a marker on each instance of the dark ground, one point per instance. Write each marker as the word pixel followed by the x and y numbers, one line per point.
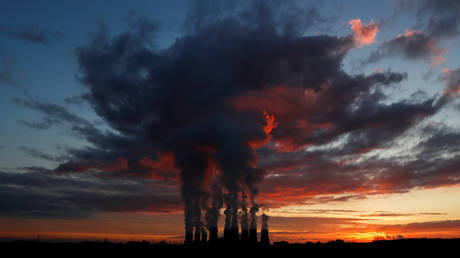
pixel 395 248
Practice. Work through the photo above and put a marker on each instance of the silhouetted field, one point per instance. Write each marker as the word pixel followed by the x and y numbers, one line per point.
pixel 438 247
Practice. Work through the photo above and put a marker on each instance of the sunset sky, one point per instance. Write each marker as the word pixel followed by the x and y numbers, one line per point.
pixel 339 119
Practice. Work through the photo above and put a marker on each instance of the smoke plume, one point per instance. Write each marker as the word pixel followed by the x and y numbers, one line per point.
pixel 265 221
pixel 210 101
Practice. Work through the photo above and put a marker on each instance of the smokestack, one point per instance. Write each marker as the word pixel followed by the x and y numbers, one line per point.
pixel 253 236
pixel 227 225
pixel 188 221
pixel 231 226
pixel 230 230
pixel 253 230
pixel 188 238
pixel 264 240
pixel 244 219
pixel 226 234
pixel 230 235
pixel 235 234
pixel 213 235
pixel 196 239
pixel 244 235
pixel 212 213
pixel 204 236
pixel 231 217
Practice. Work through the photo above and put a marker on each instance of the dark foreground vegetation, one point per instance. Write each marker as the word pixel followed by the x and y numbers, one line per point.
pixel 437 247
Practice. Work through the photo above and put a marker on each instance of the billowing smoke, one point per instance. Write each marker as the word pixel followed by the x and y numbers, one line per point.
pixel 212 212
pixel 244 215
pixel 193 167
pixel 265 218
pixel 210 101
pixel 264 238
pixel 253 216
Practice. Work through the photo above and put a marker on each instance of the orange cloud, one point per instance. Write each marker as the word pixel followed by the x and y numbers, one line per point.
pixel 270 124
pixel 437 54
pixel 162 168
pixel 363 35
pixel 291 106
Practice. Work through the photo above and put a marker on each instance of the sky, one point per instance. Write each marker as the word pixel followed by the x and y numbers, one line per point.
pixel 148 119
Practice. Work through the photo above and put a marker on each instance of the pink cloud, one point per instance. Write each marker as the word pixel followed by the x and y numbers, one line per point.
pixel 452 79
pixel 363 34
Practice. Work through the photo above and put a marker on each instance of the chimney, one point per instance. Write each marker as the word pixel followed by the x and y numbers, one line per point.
pixel 196 239
pixel 213 235
pixel 235 234
pixel 188 238
pixel 264 237
pixel 264 241
pixel 227 233
pixel 204 236
pixel 230 235
pixel 244 235
pixel 253 236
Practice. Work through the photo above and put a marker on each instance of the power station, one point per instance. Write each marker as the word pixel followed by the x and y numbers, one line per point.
pixel 232 236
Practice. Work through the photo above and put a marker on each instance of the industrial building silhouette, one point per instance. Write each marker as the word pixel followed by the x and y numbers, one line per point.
pixel 231 236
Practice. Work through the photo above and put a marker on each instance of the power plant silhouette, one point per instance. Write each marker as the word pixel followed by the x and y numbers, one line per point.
pixel 232 236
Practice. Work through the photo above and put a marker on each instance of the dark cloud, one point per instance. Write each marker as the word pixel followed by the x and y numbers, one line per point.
pixel 452 79
pixel 108 151
pixel 424 166
pixel 363 213
pixel 53 114
pixel 292 18
pixel 180 97
pixel 32 34
pixel 208 91
pixel 435 21
pixel 77 100
pixel 439 19
pixel 299 177
pixel 413 45
pixel 37 125
pixel 142 25
pixel 36 153
pixel 388 214
pixel 46 194
pixel 7 69
pixel 442 140
pixel 241 93
pixel 331 211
